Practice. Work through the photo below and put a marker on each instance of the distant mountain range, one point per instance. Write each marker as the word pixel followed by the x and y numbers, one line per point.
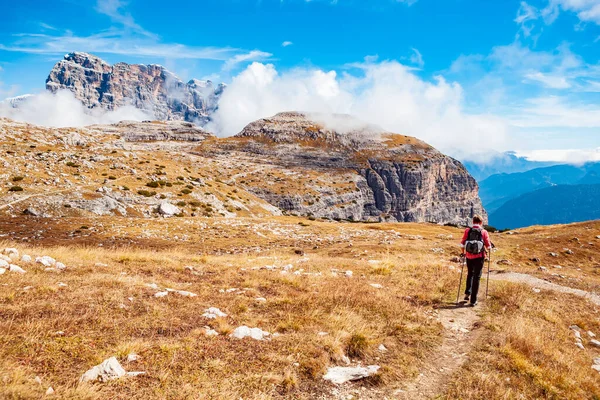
pixel 503 163
pixel 503 194
pixel 552 205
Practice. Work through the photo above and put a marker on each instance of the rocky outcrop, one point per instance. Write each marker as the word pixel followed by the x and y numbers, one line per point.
pixel 387 177
pixel 148 87
pixel 156 131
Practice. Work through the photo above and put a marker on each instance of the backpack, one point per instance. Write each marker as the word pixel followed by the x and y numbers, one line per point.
pixel 474 243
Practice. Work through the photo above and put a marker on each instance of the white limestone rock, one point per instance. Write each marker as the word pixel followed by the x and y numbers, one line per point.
pixel 167 209
pixel 46 261
pixel 341 375
pixel 254 333
pixel 26 258
pixel 16 268
pixel 108 370
pixel 213 313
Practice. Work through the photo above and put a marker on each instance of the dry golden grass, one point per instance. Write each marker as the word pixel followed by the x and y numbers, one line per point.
pixel 99 320
pixel 527 351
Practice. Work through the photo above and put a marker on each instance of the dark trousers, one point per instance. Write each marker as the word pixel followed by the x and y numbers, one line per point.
pixel 475 268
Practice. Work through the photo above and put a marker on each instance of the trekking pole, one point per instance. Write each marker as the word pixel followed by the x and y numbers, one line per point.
pixel 461 274
pixel 487 284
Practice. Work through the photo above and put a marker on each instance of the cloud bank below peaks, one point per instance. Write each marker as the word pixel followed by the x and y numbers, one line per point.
pixel 387 94
pixel 64 110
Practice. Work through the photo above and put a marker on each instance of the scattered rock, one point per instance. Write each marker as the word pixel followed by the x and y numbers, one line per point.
pixel 455 259
pixel 580 345
pixel 210 332
pixel 16 268
pixel 382 348
pixel 534 259
pixel 213 313
pixel 4 263
pixel 340 375
pixel 536 290
pixel 31 211
pixel 437 250
pixel 348 274
pixel 568 251
pixel 595 343
pixel 503 262
pixel 376 285
pixel 9 251
pixel 161 294
pixel 542 268
pixel 2 271
pixel 26 258
pixel 61 284
pixel 254 333
pixel 591 334
pixel 109 369
pixel 49 391
pixel 553 254
pixel 38 380
pixel 60 266
pixel 132 357
pixel 46 261
pixel 261 299
pixel 167 209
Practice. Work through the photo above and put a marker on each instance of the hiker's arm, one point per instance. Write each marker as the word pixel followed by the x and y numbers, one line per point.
pixel 487 243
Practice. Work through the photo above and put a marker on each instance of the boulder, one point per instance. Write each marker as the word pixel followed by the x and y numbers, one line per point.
pixel 254 333
pixel 16 268
pixel 46 261
pixel 109 369
pixel 340 375
pixel 167 209
pixel 213 313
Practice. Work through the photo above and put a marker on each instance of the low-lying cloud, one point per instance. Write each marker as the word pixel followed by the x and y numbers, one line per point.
pixel 63 110
pixel 387 94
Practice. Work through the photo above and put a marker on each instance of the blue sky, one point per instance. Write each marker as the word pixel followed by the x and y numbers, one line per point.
pixel 527 72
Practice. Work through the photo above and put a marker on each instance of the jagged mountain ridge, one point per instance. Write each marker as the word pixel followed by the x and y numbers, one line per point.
pixel 130 168
pixel 152 88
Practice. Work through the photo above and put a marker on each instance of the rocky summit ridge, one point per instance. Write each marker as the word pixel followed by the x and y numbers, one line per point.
pixel 151 88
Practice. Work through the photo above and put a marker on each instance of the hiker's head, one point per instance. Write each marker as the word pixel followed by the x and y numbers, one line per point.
pixel 477 219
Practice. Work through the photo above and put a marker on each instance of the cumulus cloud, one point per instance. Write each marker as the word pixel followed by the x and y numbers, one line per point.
pixel 254 55
pixel 286 43
pixel 387 93
pixel 586 10
pixel 417 58
pixel 568 156
pixel 63 109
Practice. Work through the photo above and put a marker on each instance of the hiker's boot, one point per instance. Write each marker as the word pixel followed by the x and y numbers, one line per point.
pixel 472 304
pixel 467 297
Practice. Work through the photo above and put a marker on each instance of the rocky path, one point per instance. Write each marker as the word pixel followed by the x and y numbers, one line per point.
pixel 542 284
pixel 460 333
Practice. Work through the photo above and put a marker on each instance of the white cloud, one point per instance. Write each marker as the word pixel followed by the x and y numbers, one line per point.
pixel 286 43
pixel 417 58
pixel 388 94
pixel 525 15
pixel 115 9
pixel 113 42
pixel 254 55
pixel 586 10
pixel 549 81
pixel 556 112
pixel 569 156
pixel 63 109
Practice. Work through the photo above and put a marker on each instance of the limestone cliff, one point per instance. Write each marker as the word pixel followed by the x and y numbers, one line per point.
pixel 385 176
pixel 148 87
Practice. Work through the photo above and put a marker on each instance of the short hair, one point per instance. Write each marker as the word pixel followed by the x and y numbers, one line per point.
pixel 477 219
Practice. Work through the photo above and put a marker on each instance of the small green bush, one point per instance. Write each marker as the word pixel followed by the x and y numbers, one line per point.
pixel 153 184
pixel 72 164
pixel 186 191
pixel 15 189
pixel 17 178
pixel 146 193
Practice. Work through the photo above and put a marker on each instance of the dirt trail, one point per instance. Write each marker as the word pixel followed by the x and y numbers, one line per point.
pixel 460 334
pixel 542 284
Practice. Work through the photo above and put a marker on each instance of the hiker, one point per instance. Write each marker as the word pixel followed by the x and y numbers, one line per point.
pixel 474 243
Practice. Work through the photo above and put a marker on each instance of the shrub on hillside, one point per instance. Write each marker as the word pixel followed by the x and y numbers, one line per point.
pixel 15 189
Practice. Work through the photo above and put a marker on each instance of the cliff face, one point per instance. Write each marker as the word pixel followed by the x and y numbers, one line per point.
pixel 148 87
pixel 349 170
